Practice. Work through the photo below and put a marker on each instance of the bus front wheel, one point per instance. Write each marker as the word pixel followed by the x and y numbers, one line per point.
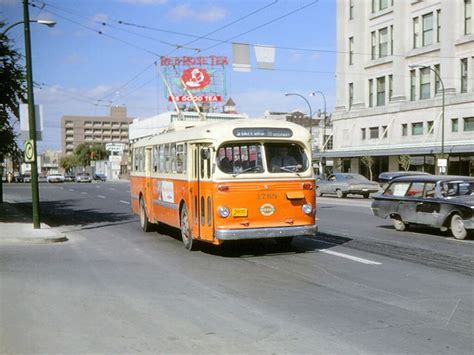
pixel 186 234
pixel 144 222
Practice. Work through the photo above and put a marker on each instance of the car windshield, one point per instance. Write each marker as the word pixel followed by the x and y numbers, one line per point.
pixel 356 177
pixel 457 188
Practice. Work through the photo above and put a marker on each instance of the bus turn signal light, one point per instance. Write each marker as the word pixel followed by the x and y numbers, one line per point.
pixel 307 186
pixel 223 188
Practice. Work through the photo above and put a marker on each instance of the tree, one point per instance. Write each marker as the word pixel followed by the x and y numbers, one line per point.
pixel 85 152
pixel 404 161
pixel 12 94
pixel 68 162
pixel 368 161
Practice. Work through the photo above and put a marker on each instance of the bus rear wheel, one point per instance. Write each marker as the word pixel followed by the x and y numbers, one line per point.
pixel 186 234
pixel 144 222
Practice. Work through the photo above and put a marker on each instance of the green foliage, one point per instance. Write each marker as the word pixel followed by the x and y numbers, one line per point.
pixel 12 93
pixel 404 161
pixel 68 162
pixel 85 152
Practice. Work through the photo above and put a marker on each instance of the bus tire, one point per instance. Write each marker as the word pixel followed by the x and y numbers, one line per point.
pixel 144 222
pixel 186 234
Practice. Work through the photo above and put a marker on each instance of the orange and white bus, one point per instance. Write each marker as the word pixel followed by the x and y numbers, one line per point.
pixel 219 181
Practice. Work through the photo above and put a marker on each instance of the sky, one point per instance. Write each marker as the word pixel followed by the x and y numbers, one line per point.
pixel 91 59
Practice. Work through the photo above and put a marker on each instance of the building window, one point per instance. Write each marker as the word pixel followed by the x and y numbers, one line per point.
pixel 427 29
pixel 390 87
pixel 383 42
pixel 374 132
pixel 416 32
pixel 373 44
pixel 464 75
pixel 351 94
pixel 404 129
pixel 351 10
pixel 391 39
pixel 468 124
pixel 373 6
pixel 417 129
pixel 381 91
pixel 371 92
pixel 437 68
pixel 454 125
pixel 412 85
pixel 467 16
pixel 362 133
pixel 430 125
pixel 351 50
pixel 383 4
pixel 438 25
pixel 384 132
pixel 425 83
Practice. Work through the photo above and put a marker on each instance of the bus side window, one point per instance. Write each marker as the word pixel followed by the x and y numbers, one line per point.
pixel 135 161
pixel 167 157
pixel 155 158
pixel 162 159
pixel 173 157
pixel 180 158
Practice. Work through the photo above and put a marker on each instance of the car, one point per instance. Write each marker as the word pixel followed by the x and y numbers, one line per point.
pixel 55 178
pixel 438 201
pixel 343 184
pixel 84 177
pixel 69 177
pixel 27 178
pixel 99 177
pixel 42 178
pixel 388 176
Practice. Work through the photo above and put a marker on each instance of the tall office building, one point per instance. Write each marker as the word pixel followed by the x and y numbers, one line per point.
pixel 395 59
pixel 95 129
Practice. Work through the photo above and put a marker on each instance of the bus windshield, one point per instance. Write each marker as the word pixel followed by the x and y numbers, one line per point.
pixel 240 158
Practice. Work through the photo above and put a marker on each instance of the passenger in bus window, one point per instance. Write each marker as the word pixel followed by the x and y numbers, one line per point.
pixel 284 160
pixel 225 165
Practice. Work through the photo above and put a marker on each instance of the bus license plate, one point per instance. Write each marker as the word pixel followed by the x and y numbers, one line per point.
pixel 239 212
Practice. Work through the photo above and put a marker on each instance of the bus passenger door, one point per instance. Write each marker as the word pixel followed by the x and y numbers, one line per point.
pixel 201 195
pixel 147 186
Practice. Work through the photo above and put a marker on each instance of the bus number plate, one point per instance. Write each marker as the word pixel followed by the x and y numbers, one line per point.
pixel 239 212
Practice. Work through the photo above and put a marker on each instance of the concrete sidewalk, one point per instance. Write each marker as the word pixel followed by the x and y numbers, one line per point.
pixel 17 227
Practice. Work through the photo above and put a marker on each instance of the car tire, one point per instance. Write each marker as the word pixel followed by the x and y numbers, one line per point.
pixel 318 192
pixel 144 222
pixel 458 230
pixel 399 225
pixel 186 233
pixel 366 195
pixel 340 194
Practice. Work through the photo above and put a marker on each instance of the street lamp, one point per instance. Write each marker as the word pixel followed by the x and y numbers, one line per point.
pixel 41 22
pixel 414 66
pixel 31 108
pixel 310 110
pixel 325 114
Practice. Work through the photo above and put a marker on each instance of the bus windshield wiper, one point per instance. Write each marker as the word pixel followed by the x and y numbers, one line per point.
pixel 256 168
pixel 290 169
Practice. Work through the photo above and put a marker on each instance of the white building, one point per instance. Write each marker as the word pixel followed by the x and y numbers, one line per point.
pixel 389 96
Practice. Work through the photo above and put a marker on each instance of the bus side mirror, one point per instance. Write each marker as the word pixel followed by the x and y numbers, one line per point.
pixel 205 153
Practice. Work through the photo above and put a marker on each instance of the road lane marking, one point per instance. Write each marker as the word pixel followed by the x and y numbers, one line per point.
pixel 72 190
pixel 111 188
pixel 84 193
pixel 350 257
pixel 126 202
pixel 100 196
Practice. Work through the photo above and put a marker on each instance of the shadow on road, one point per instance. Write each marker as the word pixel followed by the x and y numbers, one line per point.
pixel 418 229
pixel 67 212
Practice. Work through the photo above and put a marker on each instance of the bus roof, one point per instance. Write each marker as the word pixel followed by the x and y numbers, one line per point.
pixel 237 129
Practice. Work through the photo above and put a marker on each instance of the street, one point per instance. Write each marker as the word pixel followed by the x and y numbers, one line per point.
pixel 358 286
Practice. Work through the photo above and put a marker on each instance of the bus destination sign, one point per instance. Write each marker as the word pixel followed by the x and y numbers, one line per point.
pixel 263 132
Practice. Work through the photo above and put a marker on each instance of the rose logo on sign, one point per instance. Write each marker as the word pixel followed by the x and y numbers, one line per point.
pixel 195 78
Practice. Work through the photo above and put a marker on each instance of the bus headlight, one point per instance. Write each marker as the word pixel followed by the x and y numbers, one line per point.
pixel 223 211
pixel 307 208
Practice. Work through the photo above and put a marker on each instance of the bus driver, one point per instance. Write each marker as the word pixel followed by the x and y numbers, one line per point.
pixel 284 160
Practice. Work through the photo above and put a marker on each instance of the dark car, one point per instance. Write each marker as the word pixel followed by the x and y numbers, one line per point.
pixel 439 201
pixel 386 177
pixel 343 184
pixel 83 178
pixel 99 177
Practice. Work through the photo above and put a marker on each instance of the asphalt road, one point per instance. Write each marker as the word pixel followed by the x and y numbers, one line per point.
pixel 113 288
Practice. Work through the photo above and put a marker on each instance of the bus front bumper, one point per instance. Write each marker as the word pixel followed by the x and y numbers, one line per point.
pixel 260 233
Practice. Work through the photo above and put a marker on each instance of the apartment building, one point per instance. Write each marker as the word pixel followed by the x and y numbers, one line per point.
pixel 95 129
pixel 400 65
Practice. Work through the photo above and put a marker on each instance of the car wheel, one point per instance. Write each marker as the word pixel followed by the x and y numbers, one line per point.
pixel 186 233
pixel 458 230
pixel 366 195
pixel 399 225
pixel 340 194
pixel 318 192
pixel 144 222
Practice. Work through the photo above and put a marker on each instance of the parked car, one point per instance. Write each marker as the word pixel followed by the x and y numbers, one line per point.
pixel 55 178
pixel 69 177
pixel 27 178
pixel 83 178
pixel 343 184
pixel 386 177
pixel 99 177
pixel 42 178
pixel 443 201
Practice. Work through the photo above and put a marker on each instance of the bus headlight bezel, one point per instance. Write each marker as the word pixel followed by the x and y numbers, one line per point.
pixel 307 208
pixel 223 211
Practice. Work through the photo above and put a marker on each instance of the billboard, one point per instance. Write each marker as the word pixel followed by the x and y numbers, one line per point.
pixel 199 79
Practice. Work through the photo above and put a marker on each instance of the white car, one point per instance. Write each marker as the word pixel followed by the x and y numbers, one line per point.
pixel 55 178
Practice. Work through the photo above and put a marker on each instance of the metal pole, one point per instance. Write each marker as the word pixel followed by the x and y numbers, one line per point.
pixel 31 118
pixel 310 110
